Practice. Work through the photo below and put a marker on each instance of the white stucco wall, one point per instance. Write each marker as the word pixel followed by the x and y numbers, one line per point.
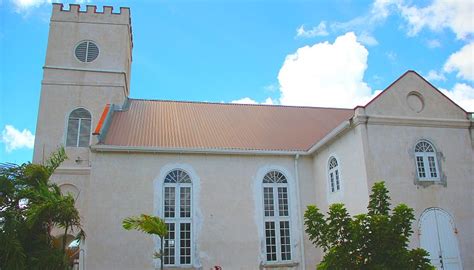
pixel 391 151
pixel 227 219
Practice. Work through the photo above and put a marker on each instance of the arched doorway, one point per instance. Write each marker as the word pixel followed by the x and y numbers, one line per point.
pixel 438 237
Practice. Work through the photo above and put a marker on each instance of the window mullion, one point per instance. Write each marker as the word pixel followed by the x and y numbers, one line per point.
pixel 277 222
pixel 78 132
pixel 177 245
pixel 426 163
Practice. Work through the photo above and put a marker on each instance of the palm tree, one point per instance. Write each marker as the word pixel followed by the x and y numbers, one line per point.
pixel 150 225
pixel 30 207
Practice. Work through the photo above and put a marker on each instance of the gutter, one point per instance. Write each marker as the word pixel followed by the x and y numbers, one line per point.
pixel 330 136
pixel 141 149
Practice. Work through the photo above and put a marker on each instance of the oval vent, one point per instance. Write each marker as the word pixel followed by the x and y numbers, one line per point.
pixel 87 51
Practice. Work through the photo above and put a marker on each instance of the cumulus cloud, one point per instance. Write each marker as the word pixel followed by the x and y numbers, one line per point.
pixel 325 74
pixel 433 75
pixel 16 139
pixel 462 62
pixel 247 100
pixel 319 30
pixel 453 14
pixel 463 95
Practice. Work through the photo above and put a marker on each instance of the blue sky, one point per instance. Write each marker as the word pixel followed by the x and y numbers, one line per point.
pixel 314 53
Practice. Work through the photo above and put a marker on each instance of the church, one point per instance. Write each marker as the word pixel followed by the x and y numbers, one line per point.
pixel 232 181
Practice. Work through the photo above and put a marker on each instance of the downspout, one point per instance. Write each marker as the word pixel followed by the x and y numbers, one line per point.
pixel 303 263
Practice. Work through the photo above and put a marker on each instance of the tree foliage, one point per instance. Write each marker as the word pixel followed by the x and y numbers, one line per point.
pixel 148 224
pixel 376 240
pixel 30 207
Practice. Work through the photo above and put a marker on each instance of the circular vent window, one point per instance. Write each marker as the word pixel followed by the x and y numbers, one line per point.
pixel 87 51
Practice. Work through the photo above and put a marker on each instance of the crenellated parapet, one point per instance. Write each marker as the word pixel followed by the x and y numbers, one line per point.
pixel 90 14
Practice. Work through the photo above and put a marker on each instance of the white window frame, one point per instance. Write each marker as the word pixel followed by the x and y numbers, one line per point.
pixel 276 219
pixel 78 137
pixel 177 220
pixel 334 174
pixel 425 161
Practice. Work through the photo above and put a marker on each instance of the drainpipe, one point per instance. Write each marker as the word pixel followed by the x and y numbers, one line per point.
pixel 301 218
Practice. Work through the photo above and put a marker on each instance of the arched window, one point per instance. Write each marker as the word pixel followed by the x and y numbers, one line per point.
pixel 334 175
pixel 426 162
pixel 276 217
pixel 178 218
pixel 79 128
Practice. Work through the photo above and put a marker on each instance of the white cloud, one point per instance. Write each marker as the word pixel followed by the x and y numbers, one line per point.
pixel 463 95
pixel 433 75
pixel 367 39
pixel 319 30
pixel 392 56
pixel 25 6
pixel 16 139
pixel 325 74
pixel 433 43
pixel 247 100
pixel 462 62
pixel 453 14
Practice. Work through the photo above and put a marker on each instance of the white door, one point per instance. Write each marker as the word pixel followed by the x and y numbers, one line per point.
pixel 437 236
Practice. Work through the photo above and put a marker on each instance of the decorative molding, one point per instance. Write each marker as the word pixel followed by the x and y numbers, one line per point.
pixel 93 70
pixel 73 170
pixel 409 121
pixel 147 149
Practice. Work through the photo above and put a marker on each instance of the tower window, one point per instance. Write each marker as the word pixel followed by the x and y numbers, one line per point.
pixel 79 128
pixel 87 51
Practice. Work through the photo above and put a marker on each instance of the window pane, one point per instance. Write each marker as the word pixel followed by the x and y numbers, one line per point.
pixel 169 245
pixel 185 243
pixel 283 201
pixel 331 176
pixel 72 132
pixel 421 167
pixel 285 240
pixel 268 201
pixel 338 186
pixel 432 164
pixel 185 202
pixel 270 241
pixel 169 202
pixel 85 132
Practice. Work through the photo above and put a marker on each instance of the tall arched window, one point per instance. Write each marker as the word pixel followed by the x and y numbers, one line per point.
pixel 79 128
pixel 426 162
pixel 334 175
pixel 276 217
pixel 178 218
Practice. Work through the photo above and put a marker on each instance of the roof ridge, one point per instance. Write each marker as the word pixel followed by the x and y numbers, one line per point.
pixel 239 104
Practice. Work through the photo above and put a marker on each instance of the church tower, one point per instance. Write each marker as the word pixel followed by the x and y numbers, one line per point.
pixel 87 66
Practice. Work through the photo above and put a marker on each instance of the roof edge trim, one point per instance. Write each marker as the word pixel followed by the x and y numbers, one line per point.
pixel 331 136
pixel 144 149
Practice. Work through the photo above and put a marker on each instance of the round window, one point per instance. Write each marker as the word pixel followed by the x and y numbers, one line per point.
pixel 86 51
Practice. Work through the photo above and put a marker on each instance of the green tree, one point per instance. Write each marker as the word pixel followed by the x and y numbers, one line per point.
pixel 150 225
pixel 376 240
pixel 30 207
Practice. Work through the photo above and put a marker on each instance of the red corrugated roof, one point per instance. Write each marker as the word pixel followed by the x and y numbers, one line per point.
pixel 199 125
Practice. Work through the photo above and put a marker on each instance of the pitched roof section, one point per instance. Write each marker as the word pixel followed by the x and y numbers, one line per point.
pixel 198 125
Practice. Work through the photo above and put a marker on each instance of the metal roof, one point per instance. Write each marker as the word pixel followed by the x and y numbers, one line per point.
pixel 199 125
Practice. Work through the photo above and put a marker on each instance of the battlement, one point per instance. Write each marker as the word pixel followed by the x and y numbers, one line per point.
pixel 90 14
